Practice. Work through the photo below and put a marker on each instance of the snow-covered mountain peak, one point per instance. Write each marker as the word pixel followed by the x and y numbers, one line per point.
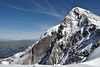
pixel 77 34
pixel 76 18
pixel 79 18
pixel 77 12
pixel 69 42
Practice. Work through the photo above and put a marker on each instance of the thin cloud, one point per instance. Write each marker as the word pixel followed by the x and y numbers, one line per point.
pixel 38 5
pixel 50 6
pixel 50 13
pixel 18 8
pixel 51 9
pixel 48 10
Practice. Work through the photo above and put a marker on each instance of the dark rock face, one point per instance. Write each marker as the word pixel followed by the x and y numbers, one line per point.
pixel 40 49
pixel 76 37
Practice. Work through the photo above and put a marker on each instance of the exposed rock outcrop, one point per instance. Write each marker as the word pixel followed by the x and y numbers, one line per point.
pixel 70 42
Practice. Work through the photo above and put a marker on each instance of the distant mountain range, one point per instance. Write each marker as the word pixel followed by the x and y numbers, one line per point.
pixel 10 47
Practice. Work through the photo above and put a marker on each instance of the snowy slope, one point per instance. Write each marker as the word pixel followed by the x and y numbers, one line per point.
pixel 88 64
pixel 80 65
pixel 94 58
pixel 70 42
pixel 78 36
pixel 94 55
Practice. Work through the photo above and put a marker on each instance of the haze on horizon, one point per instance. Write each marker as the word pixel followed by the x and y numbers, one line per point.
pixel 29 19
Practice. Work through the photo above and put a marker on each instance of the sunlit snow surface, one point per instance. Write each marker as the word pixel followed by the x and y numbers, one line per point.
pixel 73 65
pixel 92 61
pixel 94 58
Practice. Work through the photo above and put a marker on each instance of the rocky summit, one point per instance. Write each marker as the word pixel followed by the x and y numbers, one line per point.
pixel 69 42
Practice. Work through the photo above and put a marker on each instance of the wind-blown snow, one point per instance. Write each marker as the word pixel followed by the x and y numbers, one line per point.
pixel 49 31
pixel 53 29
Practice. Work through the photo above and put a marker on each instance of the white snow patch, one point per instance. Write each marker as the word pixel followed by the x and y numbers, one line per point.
pixel 5 62
pixel 17 55
pixel 94 58
pixel 95 54
pixel 49 31
pixel 95 62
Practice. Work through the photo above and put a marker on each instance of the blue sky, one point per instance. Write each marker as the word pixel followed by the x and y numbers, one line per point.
pixel 28 19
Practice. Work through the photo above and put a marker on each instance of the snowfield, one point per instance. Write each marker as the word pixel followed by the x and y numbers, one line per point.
pixel 94 58
pixel 72 65
pixel 92 61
